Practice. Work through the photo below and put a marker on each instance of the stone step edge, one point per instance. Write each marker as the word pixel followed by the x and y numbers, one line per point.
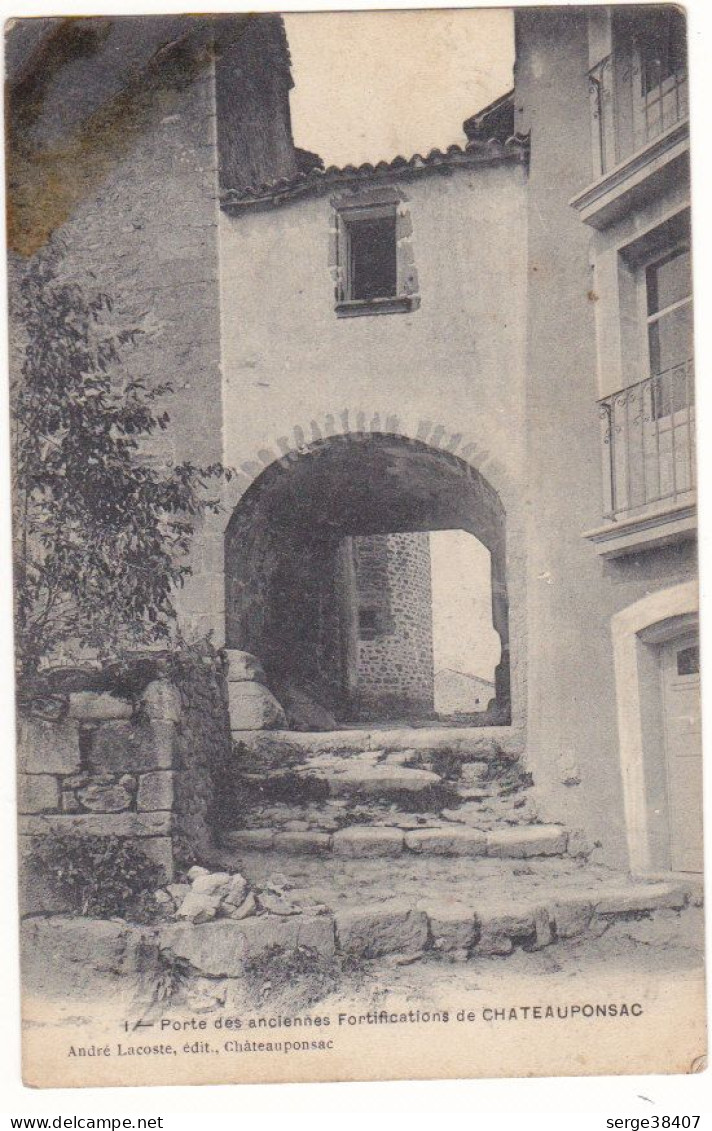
pixel 481 743
pixel 395 928
pixel 384 840
pixel 392 929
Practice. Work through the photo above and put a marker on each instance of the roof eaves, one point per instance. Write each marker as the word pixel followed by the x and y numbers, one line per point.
pixel 316 180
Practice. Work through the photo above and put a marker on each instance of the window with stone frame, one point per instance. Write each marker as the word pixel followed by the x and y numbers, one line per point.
pixel 372 270
pixel 373 262
pixel 369 245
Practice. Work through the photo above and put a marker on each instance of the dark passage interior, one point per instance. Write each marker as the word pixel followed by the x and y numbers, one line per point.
pixel 312 584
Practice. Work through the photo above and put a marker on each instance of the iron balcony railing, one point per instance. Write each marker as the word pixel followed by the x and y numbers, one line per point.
pixel 648 433
pixel 633 101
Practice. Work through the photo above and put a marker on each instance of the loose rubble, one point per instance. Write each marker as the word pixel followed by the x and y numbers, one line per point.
pixel 223 895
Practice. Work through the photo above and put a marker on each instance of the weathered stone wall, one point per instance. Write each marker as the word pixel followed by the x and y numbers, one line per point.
pixel 132 754
pixel 131 199
pixel 395 647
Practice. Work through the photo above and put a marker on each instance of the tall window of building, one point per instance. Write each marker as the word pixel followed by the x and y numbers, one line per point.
pixel 371 252
pixel 668 285
pixel 662 63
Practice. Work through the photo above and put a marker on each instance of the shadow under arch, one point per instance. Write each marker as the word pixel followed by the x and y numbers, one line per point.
pixel 282 571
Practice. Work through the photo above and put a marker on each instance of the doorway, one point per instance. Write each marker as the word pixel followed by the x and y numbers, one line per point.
pixel 328 580
pixel 680 681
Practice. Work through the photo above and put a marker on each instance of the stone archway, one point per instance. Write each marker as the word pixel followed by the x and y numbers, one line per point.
pixel 284 578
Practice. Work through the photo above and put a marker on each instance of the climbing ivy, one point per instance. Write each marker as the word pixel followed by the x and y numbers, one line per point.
pixel 101 530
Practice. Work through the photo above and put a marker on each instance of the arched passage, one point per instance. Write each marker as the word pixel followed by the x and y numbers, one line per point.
pixel 287 580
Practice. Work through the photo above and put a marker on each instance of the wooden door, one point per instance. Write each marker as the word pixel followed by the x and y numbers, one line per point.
pixel 683 747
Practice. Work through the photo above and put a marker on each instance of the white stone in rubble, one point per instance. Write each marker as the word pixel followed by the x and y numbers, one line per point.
pixel 277 904
pixel 236 890
pixel 195 871
pixel 178 892
pixel 214 883
pixel 253 707
pixel 198 907
pixel 242 910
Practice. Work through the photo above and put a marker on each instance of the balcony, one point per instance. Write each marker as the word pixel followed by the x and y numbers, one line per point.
pixel 633 105
pixel 648 447
pixel 640 129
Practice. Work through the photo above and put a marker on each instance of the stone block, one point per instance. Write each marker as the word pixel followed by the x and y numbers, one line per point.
pixel 367 840
pixel 222 948
pixel 241 910
pixel 379 780
pixel 527 840
pixel 570 914
pixel 248 838
pixel 37 895
pixel 500 926
pixel 89 946
pixel 97 824
pixel 383 928
pixel 213 883
pixel 48 748
pixel 98 706
pixel 447 842
pixel 155 791
pixel 160 850
pixel 236 890
pixel 253 707
pixel 160 702
pixel 243 667
pixel 638 897
pixel 105 798
pixel 199 907
pixel 120 746
pixel 37 793
pixel 303 843
pixel 452 925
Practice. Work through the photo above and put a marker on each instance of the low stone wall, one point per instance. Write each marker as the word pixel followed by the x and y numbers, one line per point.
pixel 132 752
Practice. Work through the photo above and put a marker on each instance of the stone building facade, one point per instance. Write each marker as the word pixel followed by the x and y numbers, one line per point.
pixel 394 622
pixel 493 339
pixel 613 599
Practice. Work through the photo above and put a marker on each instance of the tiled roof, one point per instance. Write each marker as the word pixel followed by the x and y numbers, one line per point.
pixel 316 180
pixel 493 121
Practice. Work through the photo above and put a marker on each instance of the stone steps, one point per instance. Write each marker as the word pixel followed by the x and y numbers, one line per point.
pixel 401 931
pixel 326 792
pixel 486 743
pixel 395 931
pixel 358 841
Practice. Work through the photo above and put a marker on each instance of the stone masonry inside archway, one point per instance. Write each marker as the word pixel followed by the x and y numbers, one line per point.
pixel 327 567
